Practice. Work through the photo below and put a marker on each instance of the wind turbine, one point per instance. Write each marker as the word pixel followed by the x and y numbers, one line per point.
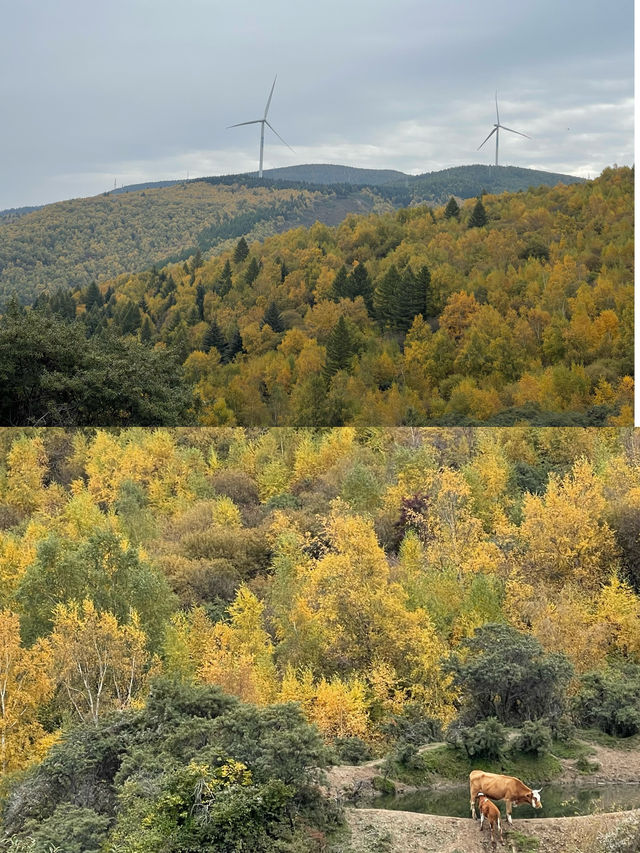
pixel 496 130
pixel 262 121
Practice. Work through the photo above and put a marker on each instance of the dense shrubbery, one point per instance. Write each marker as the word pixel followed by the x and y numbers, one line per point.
pixel 533 736
pixel 610 700
pixel 194 768
pixel 507 675
pixel 487 739
pixel 51 374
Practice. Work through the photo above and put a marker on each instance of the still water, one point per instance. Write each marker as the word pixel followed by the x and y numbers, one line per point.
pixel 557 801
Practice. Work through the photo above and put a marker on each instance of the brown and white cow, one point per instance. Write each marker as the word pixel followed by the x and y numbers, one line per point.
pixel 499 787
pixel 491 813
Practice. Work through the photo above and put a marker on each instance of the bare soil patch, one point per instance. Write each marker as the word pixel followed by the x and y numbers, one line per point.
pixel 616 765
pixel 408 832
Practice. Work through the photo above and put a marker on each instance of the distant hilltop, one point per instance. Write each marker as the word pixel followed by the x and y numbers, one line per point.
pixel 464 181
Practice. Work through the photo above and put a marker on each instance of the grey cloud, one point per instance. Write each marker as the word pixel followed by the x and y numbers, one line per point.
pixel 146 88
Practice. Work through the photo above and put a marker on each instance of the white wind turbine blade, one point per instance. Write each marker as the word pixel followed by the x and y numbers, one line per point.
pixel 488 138
pixel 241 123
pixel 497 113
pixel 504 127
pixel 266 109
pixel 278 135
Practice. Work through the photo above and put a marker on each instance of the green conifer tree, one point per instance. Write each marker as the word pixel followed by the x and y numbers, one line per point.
pixel 423 283
pixel 385 298
pixel 340 286
pixel 235 346
pixel 197 261
pixel 200 300
pixel 478 216
pixel 93 296
pixel 127 316
pixel 146 330
pixel 359 284
pixel 341 347
pixel 241 251
pixel 63 304
pixel 410 300
pixel 223 284
pixel 452 210
pixel 213 337
pixel 252 271
pixel 273 318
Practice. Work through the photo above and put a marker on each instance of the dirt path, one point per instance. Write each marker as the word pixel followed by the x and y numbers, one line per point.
pixel 616 765
pixel 408 832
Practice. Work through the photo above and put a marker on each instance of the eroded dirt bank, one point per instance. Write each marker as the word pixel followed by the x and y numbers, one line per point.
pixel 408 832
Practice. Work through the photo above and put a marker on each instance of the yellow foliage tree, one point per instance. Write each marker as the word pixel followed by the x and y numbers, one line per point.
pixel 99 664
pixel 25 683
pixel 458 538
pixel 619 608
pixel 351 612
pixel 563 620
pixel 566 537
pixel 339 707
pixel 240 655
pixel 26 468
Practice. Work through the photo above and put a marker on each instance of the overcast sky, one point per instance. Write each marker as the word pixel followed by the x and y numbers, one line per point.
pixel 144 89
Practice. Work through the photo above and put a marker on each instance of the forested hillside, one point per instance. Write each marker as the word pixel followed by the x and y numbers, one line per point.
pixel 518 307
pixel 163 592
pixel 71 243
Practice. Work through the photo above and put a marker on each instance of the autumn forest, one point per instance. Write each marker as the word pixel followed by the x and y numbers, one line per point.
pixel 225 610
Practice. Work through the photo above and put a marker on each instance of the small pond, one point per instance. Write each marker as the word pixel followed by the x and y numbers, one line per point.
pixel 557 801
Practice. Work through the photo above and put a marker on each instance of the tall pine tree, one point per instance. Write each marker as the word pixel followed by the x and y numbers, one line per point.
pixel 223 284
pixel 385 298
pixel 235 346
pixel 241 251
pixel 273 318
pixel 213 337
pixel 410 300
pixel 341 348
pixel 340 286
pixel 200 300
pixel 478 215
pixel 93 296
pixel 452 210
pixel 359 284
pixel 252 271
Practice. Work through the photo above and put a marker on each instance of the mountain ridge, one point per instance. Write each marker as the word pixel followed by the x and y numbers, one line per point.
pixel 305 173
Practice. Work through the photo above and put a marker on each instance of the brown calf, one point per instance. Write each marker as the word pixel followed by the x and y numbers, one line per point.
pixel 491 813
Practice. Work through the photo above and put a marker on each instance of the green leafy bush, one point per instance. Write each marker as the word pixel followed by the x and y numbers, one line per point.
pixel 609 700
pixel 352 750
pixel 385 786
pixel 486 739
pixel 534 736
pixel 507 675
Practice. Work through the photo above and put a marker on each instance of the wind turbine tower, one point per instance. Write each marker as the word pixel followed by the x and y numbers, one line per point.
pixel 496 130
pixel 262 121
